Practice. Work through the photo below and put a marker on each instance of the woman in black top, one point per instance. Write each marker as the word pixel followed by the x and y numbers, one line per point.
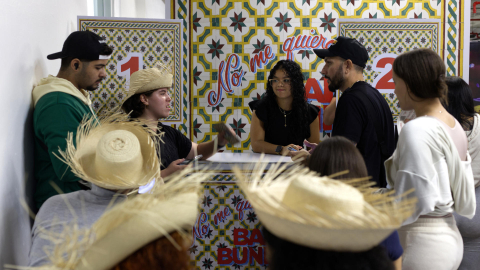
pixel 283 119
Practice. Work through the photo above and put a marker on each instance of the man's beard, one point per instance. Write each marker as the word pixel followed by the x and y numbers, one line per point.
pixel 91 87
pixel 337 81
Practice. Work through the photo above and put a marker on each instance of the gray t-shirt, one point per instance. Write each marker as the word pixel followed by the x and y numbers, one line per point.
pixel 55 214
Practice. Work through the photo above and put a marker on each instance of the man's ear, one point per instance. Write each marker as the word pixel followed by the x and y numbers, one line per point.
pixel 76 64
pixel 144 99
pixel 348 66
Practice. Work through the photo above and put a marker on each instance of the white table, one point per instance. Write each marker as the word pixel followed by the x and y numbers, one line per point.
pixel 226 161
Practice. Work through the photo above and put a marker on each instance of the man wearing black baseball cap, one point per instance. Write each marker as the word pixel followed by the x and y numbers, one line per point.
pixel 362 114
pixel 60 104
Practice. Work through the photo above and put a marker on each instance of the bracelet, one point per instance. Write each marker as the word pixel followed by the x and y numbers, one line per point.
pixel 220 146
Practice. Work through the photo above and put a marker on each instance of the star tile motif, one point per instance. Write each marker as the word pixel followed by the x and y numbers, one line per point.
pixel 237 22
pixel 215 48
pixel 195 22
pixel 283 22
pixel 327 22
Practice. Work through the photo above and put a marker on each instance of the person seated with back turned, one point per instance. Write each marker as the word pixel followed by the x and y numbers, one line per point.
pixel 362 115
pixel 283 119
pixel 338 154
pixel 148 99
pixel 149 231
pixel 312 222
pixel 115 155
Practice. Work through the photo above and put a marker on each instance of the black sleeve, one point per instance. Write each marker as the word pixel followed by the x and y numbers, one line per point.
pixel 312 113
pixel 348 118
pixel 184 145
pixel 260 109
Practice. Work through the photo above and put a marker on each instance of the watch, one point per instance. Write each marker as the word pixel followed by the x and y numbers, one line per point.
pixel 279 149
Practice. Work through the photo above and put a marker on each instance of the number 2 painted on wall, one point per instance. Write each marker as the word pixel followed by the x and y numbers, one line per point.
pixel 384 64
pixel 133 62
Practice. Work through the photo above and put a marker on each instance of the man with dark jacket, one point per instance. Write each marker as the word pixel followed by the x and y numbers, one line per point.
pixel 362 114
pixel 60 104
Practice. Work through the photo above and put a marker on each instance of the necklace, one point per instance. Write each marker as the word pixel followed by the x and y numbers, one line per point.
pixel 284 114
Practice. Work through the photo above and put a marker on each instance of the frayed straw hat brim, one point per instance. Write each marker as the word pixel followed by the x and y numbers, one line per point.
pixel 311 220
pixel 141 81
pixel 317 237
pixel 81 155
pixel 118 243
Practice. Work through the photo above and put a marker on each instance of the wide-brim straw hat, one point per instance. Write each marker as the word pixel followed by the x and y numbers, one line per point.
pixel 317 212
pixel 114 153
pixel 128 226
pixel 135 223
pixel 144 80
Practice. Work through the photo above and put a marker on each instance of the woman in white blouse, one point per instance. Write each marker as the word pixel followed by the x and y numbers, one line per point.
pixel 431 158
pixel 460 105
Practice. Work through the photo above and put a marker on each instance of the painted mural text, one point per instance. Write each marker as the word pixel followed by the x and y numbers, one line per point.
pixel 260 59
pixel 242 206
pixel 221 216
pixel 200 229
pixel 321 97
pixel 305 42
pixel 229 74
pixel 245 241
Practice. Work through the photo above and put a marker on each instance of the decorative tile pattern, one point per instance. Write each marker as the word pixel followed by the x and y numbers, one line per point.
pixel 384 37
pixel 225 219
pixel 217 29
pixel 150 41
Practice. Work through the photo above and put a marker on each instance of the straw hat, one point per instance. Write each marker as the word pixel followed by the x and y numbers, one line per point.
pixel 149 79
pixel 301 207
pixel 114 152
pixel 129 226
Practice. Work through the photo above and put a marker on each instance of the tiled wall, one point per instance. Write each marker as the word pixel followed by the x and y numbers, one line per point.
pixel 216 29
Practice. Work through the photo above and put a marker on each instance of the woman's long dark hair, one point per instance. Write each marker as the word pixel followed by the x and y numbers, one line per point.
pixel 299 103
pixel 337 154
pixel 460 102
pixel 290 256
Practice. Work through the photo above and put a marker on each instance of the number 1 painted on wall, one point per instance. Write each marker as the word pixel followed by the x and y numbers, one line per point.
pixel 133 62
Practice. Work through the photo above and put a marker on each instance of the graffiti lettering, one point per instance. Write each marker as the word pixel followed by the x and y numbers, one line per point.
pixel 221 216
pixel 260 59
pixel 241 206
pixel 250 255
pixel 227 78
pixel 199 230
pixel 241 238
pixel 304 42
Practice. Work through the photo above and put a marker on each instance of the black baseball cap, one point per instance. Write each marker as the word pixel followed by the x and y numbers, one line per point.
pixel 346 48
pixel 82 45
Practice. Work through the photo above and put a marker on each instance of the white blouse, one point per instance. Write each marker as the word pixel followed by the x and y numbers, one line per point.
pixel 474 148
pixel 427 160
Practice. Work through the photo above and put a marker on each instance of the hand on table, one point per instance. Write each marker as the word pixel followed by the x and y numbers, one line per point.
pixel 301 154
pixel 287 152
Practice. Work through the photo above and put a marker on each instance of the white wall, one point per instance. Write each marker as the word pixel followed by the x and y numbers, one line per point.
pixel 30 30
pixel 151 9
